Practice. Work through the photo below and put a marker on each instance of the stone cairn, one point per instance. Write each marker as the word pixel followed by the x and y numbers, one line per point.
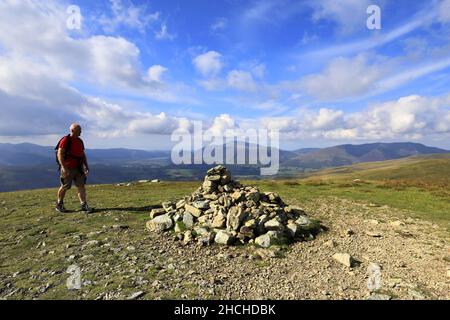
pixel 226 212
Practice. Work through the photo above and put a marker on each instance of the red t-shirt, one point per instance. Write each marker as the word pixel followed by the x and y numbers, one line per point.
pixel 76 149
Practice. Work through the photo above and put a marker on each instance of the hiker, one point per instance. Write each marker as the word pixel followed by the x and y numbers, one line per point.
pixel 73 166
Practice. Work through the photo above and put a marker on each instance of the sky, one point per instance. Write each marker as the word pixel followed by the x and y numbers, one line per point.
pixel 135 71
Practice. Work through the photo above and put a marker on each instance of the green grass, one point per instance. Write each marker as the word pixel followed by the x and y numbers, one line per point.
pixel 28 219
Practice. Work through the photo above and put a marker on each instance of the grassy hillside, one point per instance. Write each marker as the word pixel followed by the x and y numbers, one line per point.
pixel 419 170
pixel 37 244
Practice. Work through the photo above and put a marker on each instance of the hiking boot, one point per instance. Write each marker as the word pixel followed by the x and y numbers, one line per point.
pixel 86 208
pixel 60 207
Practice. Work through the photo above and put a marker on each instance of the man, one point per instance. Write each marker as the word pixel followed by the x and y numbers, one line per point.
pixel 74 167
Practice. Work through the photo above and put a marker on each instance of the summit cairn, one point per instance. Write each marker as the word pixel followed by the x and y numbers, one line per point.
pixel 226 212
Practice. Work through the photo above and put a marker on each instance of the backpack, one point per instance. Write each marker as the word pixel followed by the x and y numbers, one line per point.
pixel 66 151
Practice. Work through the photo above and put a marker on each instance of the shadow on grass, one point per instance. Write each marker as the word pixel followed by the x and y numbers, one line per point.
pixel 137 209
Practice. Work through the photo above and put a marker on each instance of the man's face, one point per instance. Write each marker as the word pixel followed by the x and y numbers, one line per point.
pixel 76 131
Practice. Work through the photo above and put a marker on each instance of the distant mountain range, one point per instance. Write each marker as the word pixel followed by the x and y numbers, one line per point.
pixel 349 154
pixel 26 165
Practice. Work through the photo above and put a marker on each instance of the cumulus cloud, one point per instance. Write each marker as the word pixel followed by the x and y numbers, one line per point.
pixel 155 72
pixel 220 124
pixel 343 77
pixel 209 63
pixel 409 117
pixel 241 80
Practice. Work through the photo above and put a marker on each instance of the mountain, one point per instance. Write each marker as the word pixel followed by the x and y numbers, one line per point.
pixel 349 154
pixel 28 166
pixel 28 154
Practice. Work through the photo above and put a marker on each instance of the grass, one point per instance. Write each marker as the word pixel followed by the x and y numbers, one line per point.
pixel 29 220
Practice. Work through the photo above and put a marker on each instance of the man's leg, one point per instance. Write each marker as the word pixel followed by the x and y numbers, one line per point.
pixel 61 194
pixel 82 194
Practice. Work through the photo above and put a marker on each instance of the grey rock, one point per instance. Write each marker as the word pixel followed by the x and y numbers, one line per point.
pixel 223 237
pixel 188 220
pixel 160 223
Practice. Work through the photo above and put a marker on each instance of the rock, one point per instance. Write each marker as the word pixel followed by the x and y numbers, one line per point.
pixel 224 210
pixel 344 258
pixel 246 232
pixel 136 295
pixel 206 239
pixel 131 248
pixel 265 254
pixel 237 195
pixel 188 220
pixel 235 217
pixel 373 234
pixel 144 181
pixel 160 223
pixel 292 229
pixel 155 180
pixel 168 206
pixel 377 296
pixel 330 243
pixel 397 223
pixel 180 226
pixel 157 212
pixel 180 204
pixel 219 221
pixel 200 231
pixel 223 237
pixel 263 241
pixel 214 178
pixel 93 243
pixel 303 221
pixel 273 225
pixel 202 205
pixel 448 273
pixel 349 232
pixel 193 210
pixel 188 236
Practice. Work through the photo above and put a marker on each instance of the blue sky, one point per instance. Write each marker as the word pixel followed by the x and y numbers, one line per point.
pixel 137 70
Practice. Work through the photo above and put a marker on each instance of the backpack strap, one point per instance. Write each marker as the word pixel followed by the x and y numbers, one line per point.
pixel 66 150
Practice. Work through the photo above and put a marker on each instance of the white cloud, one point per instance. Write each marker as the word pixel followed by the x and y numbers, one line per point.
pixel 209 63
pixel 219 24
pixel 326 119
pixel 127 15
pixel 343 78
pixel 213 84
pixel 241 80
pixel 409 117
pixel 444 11
pixel 155 72
pixel 220 124
pixel 349 15
pixel 164 34
pixel 259 70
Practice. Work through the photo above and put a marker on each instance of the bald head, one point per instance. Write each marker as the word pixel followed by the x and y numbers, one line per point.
pixel 75 130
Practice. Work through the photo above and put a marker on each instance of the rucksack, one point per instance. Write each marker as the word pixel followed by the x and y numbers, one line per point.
pixel 66 151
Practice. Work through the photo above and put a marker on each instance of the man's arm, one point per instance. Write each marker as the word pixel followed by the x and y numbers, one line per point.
pixel 61 159
pixel 85 163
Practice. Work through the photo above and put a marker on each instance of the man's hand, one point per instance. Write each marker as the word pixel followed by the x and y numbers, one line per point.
pixel 86 171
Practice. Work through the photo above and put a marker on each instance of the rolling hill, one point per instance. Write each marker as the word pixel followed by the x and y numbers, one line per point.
pixel 29 166
pixel 431 169
pixel 348 154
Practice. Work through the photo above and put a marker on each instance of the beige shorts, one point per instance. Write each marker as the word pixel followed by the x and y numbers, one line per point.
pixel 74 175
